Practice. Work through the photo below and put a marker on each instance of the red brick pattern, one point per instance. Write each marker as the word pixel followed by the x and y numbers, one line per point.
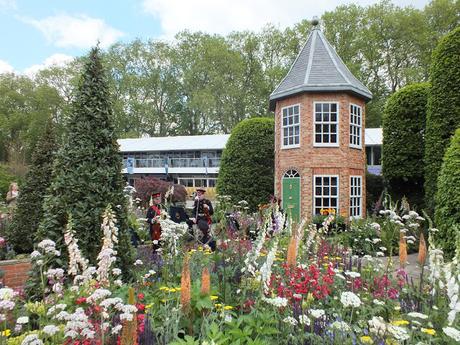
pixel 309 160
pixel 16 273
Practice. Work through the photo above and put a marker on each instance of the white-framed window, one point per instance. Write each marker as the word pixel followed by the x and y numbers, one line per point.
pixel 326 193
pixel 355 126
pixel 326 124
pixel 356 198
pixel 291 126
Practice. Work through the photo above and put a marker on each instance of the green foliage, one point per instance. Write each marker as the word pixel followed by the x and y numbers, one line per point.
pixel 447 215
pixel 87 171
pixel 247 166
pixel 443 109
pixel 6 177
pixel 374 189
pixel 403 143
pixel 28 213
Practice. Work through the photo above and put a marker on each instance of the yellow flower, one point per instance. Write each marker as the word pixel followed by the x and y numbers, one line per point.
pixel 228 307
pixel 200 248
pixel 148 306
pixel 172 290
pixel 192 251
pixel 177 288
pixel 213 298
pixel 365 339
pixel 6 333
pixel 325 257
pixel 164 288
pixel 429 331
pixel 218 305
pixel 163 300
pixel 400 323
pixel 398 308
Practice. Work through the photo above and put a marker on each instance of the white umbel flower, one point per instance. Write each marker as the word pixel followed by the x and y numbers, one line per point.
pixel 349 299
pixel 452 333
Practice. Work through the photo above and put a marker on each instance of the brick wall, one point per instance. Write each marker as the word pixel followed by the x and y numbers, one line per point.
pixel 16 272
pixel 309 160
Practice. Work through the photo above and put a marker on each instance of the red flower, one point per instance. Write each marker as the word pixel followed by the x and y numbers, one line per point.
pixel 80 300
pixel 140 306
pixel 140 296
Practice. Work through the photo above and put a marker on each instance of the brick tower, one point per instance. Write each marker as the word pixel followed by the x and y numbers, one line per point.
pixel 319 110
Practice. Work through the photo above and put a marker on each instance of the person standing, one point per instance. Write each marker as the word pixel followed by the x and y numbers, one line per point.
pixel 201 216
pixel 153 218
pixel 12 195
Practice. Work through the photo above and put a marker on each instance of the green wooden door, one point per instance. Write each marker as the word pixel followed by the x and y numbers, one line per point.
pixel 291 197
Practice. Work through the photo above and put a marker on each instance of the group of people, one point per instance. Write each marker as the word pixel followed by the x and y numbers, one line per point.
pixel 201 217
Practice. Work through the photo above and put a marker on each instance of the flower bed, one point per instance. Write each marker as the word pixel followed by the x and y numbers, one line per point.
pixel 288 286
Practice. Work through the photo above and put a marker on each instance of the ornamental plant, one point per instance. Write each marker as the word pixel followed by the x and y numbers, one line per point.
pixel 247 166
pixel 443 116
pixel 87 171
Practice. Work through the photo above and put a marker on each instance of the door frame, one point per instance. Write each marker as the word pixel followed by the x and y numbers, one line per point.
pixel 300 190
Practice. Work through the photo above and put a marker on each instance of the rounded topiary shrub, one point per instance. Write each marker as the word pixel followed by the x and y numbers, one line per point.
pixel 247 166
pixel 443 115
pixel 447 216
pixel 403 143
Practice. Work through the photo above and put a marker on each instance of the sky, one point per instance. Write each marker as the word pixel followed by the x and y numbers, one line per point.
pixel 36 34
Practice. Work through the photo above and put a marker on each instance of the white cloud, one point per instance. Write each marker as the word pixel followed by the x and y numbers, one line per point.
pixel 58 60
pixel 79 31
pixel 223 16
pixel 5 67
pixel 7 5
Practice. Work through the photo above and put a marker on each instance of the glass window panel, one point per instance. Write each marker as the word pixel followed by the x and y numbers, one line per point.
pixel 325 107
pixel 318 107
pixel 333 190
pixel 318 138
pixel 326 180
pixel 325 138
pixel 296 119
pixel 318 128
pixel 333 181
pixel 291 111
pixel 318 201
pixel 326 202
pixel 333 107
pixel 333 117
pixel 318 190
pixel 333 138
pixel 333 128
pixel 291 141
pixel 334 202
pixel 284 121
pixel 318 117
pixel 325 190
pixel 296 141
pixel 318 180
pixel 296 109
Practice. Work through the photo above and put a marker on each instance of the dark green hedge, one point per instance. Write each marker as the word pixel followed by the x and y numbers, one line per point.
pixel 447 216
pixel 374 188
pixel 28 213
pixel 443 115
pixel 403 143
pixel 247 166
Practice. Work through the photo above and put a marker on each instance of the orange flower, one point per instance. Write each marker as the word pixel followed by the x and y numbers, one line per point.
pixel 402 251
pixel 292 251
pixel 185 293
pixel 422 250
pixel 129 332
pixel 205 282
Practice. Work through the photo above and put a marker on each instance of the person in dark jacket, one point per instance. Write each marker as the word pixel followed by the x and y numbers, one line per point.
pixel 202 216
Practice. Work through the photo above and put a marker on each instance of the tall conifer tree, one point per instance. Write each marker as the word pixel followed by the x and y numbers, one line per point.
pixel 29 211
pixel 87 170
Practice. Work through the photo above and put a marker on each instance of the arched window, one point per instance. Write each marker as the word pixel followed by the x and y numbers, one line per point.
pixel 291 173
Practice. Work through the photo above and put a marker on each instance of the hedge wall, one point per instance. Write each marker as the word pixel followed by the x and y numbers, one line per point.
pixel 447 216
pixel 403 143
pixel 247 166
pixel 443 115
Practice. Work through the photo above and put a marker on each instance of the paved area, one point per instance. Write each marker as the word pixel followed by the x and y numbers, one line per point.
pixel 413 268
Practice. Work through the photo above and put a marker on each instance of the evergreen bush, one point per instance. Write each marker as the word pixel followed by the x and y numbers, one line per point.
pixel 403 143
pixel 21 232
pixel 247 165
pixel 443 115
pixel 87 171
pixel 447 215
pixel 374 189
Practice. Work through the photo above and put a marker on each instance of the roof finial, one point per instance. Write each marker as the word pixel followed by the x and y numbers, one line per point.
pixel 315 22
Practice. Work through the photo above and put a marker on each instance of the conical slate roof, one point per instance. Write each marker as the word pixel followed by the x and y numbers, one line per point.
pixel 318 68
